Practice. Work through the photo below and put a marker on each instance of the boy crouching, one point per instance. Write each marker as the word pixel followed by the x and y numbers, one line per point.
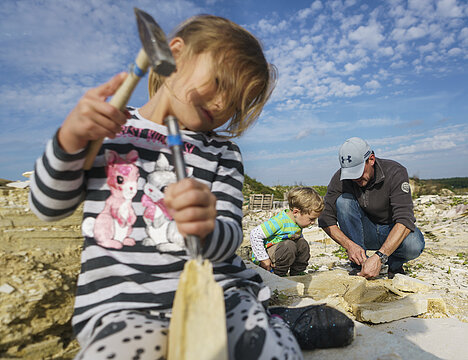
pixel 277 244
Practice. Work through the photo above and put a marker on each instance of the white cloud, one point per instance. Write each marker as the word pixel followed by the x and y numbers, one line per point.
pixel 415 32
pixel 398 64
pixel 271 27
pixel 373 85
pixel 406 20
pixel 339 88
pixel 463 36
pixel 351 21
pixel 454 52
pixel 447 41
pixel 427 47
pixel 367 36
pixel 303 134
pixel 305 13
pixel 350 68
pixel 303 52
pixel 385 51
pixel 448 8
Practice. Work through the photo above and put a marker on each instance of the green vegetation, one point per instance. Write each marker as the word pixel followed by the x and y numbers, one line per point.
pixel 278 298
pixel 341 253
pixel 463 258
pixel 457 201
pixel 430 236
pixel 457 185
pixel 252 186
pixel 409 269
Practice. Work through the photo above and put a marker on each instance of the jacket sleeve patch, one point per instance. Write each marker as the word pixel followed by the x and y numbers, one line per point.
pixel 405 187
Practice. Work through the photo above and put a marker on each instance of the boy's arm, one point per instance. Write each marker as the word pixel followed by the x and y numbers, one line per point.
pixel 256 240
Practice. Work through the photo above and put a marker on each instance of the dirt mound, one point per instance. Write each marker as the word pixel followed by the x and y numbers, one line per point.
pixel 39 265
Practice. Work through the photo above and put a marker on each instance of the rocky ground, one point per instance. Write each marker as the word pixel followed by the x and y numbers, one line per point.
pixel 39 264
pixel 443 265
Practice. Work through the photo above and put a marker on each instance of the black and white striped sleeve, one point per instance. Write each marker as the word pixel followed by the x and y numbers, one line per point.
pixel 227 187
pixel 57 186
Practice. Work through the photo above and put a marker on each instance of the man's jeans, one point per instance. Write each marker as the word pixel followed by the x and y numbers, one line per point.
pixel 355 224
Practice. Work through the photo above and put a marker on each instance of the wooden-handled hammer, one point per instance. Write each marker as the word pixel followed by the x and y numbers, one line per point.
pixel 155 52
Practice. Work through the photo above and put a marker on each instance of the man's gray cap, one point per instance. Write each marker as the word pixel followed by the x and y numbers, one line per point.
pixel 352 156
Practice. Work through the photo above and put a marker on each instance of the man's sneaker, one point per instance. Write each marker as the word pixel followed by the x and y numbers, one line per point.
pixel 400 270
pixel 317 326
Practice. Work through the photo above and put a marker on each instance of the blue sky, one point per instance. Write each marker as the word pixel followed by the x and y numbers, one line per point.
pixel 392 72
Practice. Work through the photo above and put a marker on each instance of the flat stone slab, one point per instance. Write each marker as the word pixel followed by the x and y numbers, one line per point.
pixel 377 313
pixel 409 284
pixel 274 282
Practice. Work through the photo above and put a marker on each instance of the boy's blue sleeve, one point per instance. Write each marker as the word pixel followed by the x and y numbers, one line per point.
pixel 271 226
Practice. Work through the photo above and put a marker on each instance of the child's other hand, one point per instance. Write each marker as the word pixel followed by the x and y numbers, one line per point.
pixel 266 264
pixel 93 118
pixel 193 207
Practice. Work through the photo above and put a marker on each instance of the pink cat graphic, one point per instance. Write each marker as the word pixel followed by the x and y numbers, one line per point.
pixel 113 225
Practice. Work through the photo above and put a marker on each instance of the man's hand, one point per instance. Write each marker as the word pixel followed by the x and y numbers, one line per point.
pixel 356 253
pixel 371 267
pixel 193 207
pixel 266 264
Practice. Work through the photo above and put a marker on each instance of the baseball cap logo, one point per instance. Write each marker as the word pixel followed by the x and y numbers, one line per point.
pixel 348 159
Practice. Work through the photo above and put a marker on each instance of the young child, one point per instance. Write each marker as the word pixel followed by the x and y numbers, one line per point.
pixel 135 214
pixel 278 244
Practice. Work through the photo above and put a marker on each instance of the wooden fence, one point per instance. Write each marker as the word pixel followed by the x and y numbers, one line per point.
pixel 261 202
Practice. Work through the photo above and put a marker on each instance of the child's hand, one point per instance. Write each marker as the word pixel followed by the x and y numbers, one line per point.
pixel 266 264
pixel 93 118
pixel 193 207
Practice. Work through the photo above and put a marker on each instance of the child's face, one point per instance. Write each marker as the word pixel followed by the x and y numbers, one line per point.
pixel 194 99
pixel 303 219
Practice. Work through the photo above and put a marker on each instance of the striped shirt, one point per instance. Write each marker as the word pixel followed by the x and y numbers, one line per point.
pixel 144 272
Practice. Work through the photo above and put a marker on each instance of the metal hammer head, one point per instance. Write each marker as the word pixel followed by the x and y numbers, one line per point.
pixel 155 44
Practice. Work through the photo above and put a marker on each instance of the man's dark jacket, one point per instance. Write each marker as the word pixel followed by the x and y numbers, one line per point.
pixel 386 199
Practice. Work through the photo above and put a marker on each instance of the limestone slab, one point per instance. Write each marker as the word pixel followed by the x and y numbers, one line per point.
pixel 376 313
pixel 409 284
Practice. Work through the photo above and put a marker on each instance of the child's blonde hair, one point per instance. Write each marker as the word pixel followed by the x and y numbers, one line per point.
pixel 306 199
pixel 244 77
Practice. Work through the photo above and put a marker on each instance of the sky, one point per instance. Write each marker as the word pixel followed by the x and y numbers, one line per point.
pixel 394 73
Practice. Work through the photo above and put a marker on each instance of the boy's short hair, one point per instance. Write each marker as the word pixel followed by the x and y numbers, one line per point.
pixel 306 199
pixel 243 75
